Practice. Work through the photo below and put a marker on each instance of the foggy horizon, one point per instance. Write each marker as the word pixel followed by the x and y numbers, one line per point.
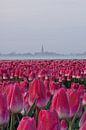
pixel 59 25
pixel 40 51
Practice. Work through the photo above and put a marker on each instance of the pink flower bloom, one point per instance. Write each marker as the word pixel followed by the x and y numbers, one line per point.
pixel 48 120
pixel 31 76
pixel 37 92
pixel 26 103
pixel 60 103
pixel 4 114
pixel 74 102
pixel 27 123
pixel 46 84
pixel 14 99
pixel 83 127
pixel 81 90
pixel 64 125
pixel 84 99
pixel 83 119
pixel 74 85
pixel 53 87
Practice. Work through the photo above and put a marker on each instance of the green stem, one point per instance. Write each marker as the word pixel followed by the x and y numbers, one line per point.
pixel 36 114
pixel 70 126
pixel 11 122
pixel 17 118
pixel 73 120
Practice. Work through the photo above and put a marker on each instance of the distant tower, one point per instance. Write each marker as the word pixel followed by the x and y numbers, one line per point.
pixel 42 49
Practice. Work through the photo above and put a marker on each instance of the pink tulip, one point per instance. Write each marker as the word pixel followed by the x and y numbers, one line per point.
pixel 64 125
pixel 53 87
pixel 23 85
pixel 48 120
pixel 37 92
pixel 83 119
pixel 46 84
pixel 83 127
pixel 74 85
pixel 4 114
pixel 27 123
pixel 31 76
pixel 84 99
pixel 60 103
pixel 14 99
pixel 26 103
pixel 42 73
pixel 74 102
pixel 81 90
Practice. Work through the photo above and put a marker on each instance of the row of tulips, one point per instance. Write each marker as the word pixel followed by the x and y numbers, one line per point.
pixel 59 69
pixel 48 95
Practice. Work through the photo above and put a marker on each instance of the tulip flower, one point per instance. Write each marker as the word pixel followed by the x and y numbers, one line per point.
pixel 23 85
pixel 84 99
pixel 81 91
pixel 53 87
pixel 64 125
pixel 27 123
pixel 46 84
pixel 60 104
pixel 4 114
pixel 37 92
pixel 83 127
pixel 74 85
pixel 82 119
pixel 74 102
pixel 42 73
pixel 14 99
pixel 26 103
pixel 48 120
pixel 31 76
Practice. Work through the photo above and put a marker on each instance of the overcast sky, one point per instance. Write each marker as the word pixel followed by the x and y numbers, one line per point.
pixel 60 25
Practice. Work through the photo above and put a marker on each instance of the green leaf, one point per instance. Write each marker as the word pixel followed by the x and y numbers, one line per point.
pixel 31 112
pixel 48 104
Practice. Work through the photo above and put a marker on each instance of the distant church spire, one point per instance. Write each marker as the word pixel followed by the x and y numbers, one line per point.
pixel 42 49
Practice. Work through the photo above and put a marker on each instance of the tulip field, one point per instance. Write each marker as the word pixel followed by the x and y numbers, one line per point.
pixel 43 95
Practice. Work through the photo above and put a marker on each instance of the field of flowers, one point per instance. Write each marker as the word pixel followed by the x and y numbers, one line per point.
pixel 43 95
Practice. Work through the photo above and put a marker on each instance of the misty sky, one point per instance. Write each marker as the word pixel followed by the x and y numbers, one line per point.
pixel 60 25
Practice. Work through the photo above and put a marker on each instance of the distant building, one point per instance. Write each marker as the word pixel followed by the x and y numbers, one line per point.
pixel 42 50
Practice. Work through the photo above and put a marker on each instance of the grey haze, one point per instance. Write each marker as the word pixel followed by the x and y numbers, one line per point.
pixel 60 25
